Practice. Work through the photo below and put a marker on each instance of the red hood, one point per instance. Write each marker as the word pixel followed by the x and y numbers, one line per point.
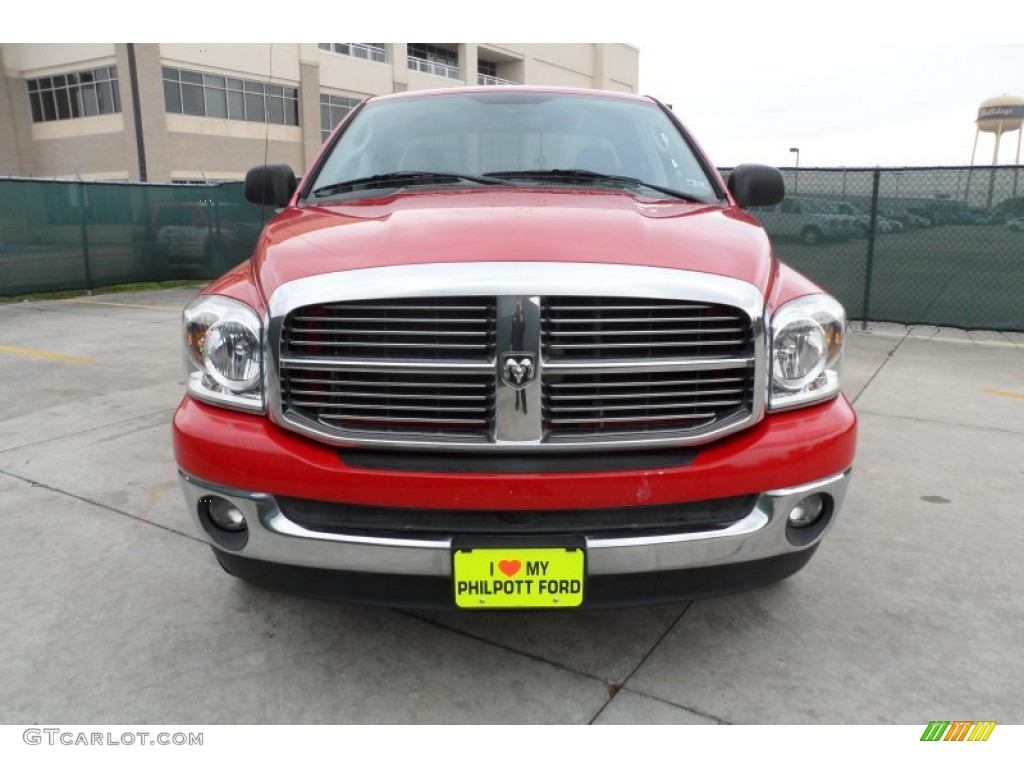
pixel 512 225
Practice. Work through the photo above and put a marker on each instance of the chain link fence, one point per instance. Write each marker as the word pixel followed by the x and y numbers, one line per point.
pixel 933 246
pixel 936 246
pixel 57 235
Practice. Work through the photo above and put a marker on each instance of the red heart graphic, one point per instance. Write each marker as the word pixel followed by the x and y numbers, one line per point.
pixel 510 567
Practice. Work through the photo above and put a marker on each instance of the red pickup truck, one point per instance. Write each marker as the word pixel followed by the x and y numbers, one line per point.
pixel 513 348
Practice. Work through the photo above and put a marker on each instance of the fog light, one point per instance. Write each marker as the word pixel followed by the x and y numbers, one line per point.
pixel 807 511
pixel 222 513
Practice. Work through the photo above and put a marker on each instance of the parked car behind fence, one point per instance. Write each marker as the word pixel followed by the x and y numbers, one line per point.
pixel 809 220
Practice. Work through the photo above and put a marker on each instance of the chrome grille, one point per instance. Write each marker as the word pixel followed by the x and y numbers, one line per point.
pixel 350 366
pixel 603 403
pixel 594 327
pixel 588 402
pixel 459 328
pixel 398 402
pixel 419 356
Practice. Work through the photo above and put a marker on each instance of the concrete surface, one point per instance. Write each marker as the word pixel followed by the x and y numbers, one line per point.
pixel 115 612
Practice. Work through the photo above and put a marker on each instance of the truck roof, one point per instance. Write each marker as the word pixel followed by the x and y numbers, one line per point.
pixel 427 93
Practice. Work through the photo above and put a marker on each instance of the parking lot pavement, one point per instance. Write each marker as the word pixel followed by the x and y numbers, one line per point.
pixel 116 612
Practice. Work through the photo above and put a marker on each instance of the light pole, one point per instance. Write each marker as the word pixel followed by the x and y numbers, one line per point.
pixel 796 173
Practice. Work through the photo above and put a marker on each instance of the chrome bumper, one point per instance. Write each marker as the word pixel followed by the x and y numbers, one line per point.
pixel 760 535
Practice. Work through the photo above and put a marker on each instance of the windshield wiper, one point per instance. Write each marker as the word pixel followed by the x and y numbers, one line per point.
pixel 401 178
pixel 582 174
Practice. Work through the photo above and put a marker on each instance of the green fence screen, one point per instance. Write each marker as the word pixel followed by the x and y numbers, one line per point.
pixel 937 246
pixel 933 246
pixel 58 235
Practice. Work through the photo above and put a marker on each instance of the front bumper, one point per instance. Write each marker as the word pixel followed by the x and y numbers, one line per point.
pixel 758 549
pixel 250 462
pixel 435 593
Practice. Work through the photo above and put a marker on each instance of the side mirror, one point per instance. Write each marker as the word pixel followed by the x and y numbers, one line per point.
pixel 753 185
pixel 270 185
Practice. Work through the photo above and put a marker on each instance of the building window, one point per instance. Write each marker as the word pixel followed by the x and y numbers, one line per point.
pixel 372 51
pixel 487 74
pixel 74 94
pixel 434 60
pixel 229 98
pixel 332 111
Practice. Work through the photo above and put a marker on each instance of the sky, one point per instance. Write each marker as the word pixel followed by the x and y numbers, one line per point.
pixel 841 105
pixel 854 84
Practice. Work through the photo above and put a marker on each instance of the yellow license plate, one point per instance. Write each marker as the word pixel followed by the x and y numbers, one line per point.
pixel 518 578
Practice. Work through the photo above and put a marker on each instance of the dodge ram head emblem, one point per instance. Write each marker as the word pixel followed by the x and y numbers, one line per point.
pixel 517 369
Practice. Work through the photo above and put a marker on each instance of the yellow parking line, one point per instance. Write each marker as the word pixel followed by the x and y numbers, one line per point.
pixel 158 307
pixel 47 355
pixel 1002 393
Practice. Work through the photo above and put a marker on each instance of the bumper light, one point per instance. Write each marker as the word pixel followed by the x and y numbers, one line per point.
pixel 222 513
pixel 807 511
pixel 223 521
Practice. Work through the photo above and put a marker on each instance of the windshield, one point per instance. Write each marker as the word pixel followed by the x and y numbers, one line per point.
pixel 479 134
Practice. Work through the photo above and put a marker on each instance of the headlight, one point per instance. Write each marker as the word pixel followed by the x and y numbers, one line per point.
pixel 223 353
pixel 807 351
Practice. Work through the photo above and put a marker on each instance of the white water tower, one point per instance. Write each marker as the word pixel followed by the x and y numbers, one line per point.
pixel 998 115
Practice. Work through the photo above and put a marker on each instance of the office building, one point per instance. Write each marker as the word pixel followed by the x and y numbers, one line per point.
pixel 191 113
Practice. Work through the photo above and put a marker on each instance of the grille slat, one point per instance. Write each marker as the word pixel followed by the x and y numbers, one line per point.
pixel 652 319
pixel 633 396
pixel 416 305
pixel 340 317
pixel 659 419
pixel 663 327
pixel 352 393
pixel 618 408
pixel 643 383
pixel 389 332
pixel 389 407
pixel 609 304
pixel 732 330
pixel 351 419
pixel 596 347
pixel 379 344
pixel 392 384
pixel 602 403
pixel 443 328
pixel 392 402
pixel 610 368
